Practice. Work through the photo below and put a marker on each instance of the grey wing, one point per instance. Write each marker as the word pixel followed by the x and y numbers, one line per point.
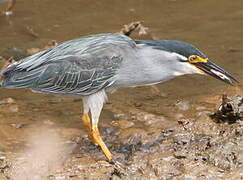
pixel 94 45
pixel 80 66
pixel 69 76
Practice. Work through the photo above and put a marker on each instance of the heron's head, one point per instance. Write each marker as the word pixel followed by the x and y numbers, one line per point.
pixel 200 63
pixel 187 59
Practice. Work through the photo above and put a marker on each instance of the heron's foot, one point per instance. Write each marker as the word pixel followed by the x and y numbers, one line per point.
pixel 119 169
pixel 94 136
pixel 117 164
pixel 91 138
pixel 98 140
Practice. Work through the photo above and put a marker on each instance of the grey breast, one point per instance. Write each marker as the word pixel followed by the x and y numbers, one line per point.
pixel 81 66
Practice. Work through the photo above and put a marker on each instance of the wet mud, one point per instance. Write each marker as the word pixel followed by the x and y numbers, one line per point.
pixel 147 146
pixel 171 131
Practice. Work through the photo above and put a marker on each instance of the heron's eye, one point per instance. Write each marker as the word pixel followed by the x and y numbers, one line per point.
pixel 193 59
pixel 197 59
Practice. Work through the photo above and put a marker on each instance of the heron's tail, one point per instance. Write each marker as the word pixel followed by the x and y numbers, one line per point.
pixel 6 74
pixel 12 77
pixel 6 70
pixel 1 81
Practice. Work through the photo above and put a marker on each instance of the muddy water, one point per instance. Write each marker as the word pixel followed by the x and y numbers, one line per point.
pixel 215 27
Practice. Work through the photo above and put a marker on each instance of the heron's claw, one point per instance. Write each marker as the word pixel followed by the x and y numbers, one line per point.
pixel 119 169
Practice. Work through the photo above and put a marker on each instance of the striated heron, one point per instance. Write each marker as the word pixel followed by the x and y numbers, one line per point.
pixel 91 66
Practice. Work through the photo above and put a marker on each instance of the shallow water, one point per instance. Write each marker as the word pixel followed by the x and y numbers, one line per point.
pixel 215 27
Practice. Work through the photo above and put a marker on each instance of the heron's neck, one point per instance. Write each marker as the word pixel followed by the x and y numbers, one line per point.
pixel 150 66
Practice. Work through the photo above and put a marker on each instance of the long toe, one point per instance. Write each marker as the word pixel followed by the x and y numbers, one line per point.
pixel 98 140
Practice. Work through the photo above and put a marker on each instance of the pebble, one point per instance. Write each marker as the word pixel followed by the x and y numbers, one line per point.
pixel 119 116
pixel 1 58
pixel 14 109
pixel 8 13
pixel 179 116
pixel 19 126
pixel 180 154
pixel 204 114
pixel 2 158
pixel 125 124
pixel 183 105
pixel 7 101
pixel 138 104
pixel 48 122
pixel 154 121
pixel 201 108
pixel 54 100
pixel 60 177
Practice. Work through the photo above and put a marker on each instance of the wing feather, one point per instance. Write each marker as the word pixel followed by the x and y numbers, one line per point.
pixel 69 79
pixel 80 66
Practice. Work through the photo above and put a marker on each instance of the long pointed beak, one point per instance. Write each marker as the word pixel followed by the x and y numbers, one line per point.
pixel 216 71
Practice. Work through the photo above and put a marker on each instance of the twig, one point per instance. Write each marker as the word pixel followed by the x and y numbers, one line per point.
pixel 133 26
pixel 31 32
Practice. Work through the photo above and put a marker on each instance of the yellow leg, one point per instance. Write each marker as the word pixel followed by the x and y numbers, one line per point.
pixel 87 124
pixel 97 139
pixel 86 121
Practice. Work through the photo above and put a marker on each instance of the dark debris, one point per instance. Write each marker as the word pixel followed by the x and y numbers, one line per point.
pixel 230 110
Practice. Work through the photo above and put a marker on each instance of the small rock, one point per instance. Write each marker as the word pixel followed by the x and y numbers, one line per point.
pixel 10 100
pixel 119 116
pixel 48 122
pixel 201 108
pixel 33 50
pixel 147 117
pixel 60 177
pixel 54 100
pixel 154 121
pixel 183 105
pixel 2 59
pixel 232 50
pixel 8 13
pixel 7 101
pixel 138 104
pixel 180 154
pixel 14 108
pixel 179 116
pixel 2 102
pixel 204 114
pixel 125 124
pixel 19 126
pixel 111 131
